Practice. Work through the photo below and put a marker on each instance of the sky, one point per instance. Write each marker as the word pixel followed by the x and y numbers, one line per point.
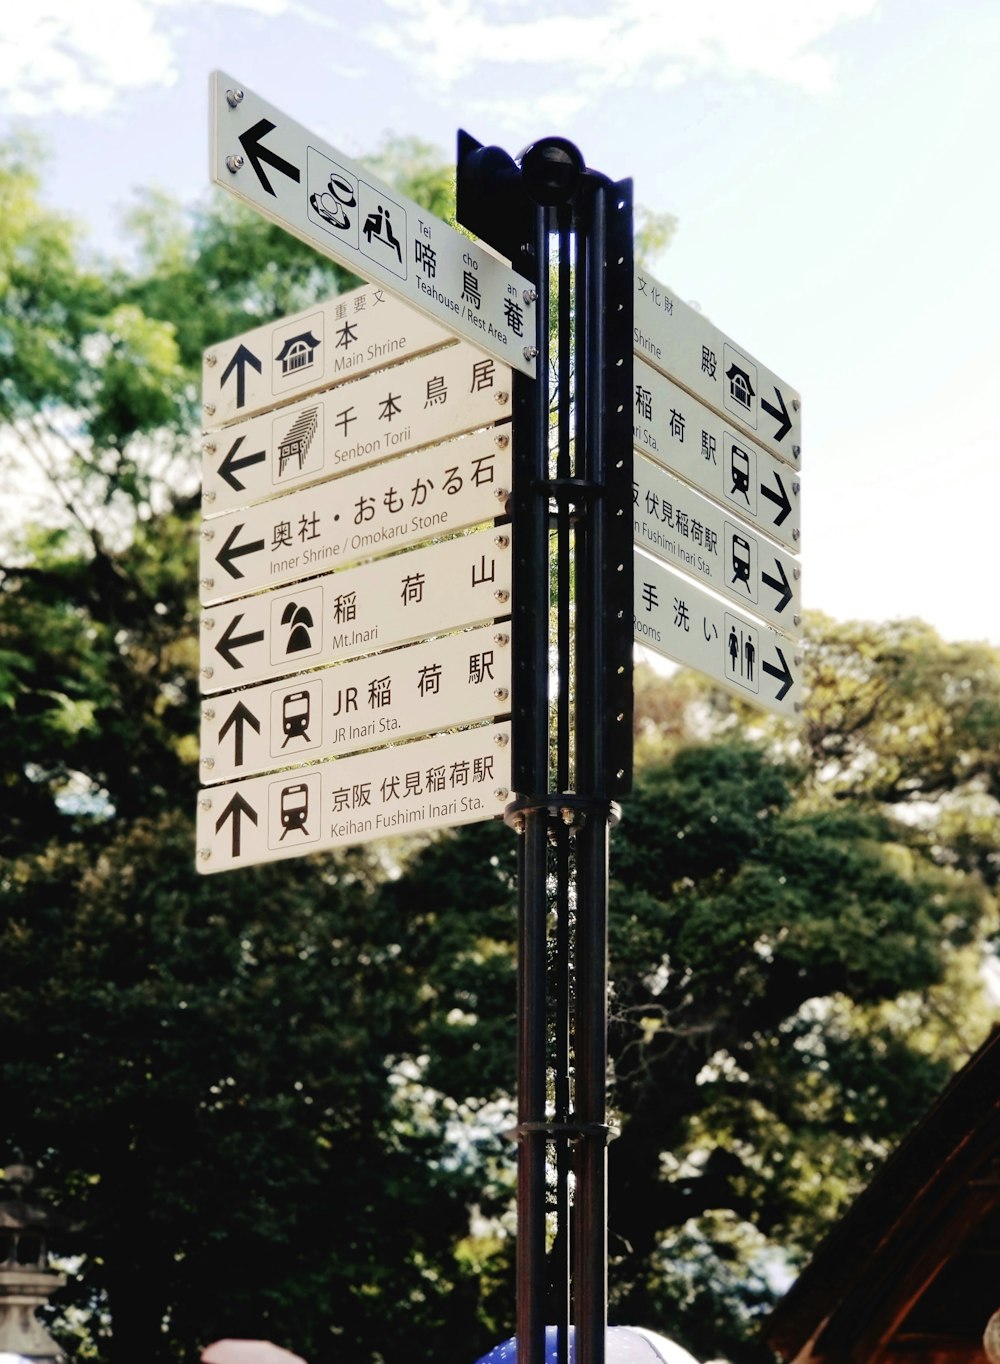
pixel 832 167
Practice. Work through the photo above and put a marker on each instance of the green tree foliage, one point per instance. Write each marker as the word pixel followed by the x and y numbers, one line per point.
pixel 210 1069
pixel 276 1097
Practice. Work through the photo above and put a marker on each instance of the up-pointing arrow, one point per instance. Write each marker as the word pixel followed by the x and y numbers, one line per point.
pixel 239 716
pixel 243 357
pixel 237 809
pixel 231 551
pixel 251 141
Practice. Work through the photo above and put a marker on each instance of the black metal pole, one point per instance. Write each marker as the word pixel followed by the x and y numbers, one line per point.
pixel 564 799
pixel 530 701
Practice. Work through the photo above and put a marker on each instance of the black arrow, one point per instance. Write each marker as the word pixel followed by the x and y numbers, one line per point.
pixel 239 717
pixel 780 415
pixel 779 498
pixel 236 809
pixel 239 362
pixel 250 142
pixel 782 586
pixel 231 550
pixel 230 465
pixel 783 673
pixel 231 641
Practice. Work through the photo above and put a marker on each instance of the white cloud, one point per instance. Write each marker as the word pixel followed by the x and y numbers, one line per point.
pixel 596 49
pixel 78 56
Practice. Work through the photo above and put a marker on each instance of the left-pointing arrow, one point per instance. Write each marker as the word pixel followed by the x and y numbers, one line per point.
pixel 231 465
pixel 239 716
pixel 780 585
pixel 237 809
pixel 231 641
pixel 251 141
pixel 784 674
pixel 243 357
pixel 231 551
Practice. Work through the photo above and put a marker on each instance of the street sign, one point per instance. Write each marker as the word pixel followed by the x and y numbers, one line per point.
pixel 353 424
pixel 434 783
pixel 676 618
pixel 683 344
pixel 458 679
pixel 315 192
pixel 345 337
pixel 421 495
pixel 393 600
pixel 692 441
pixel 679 526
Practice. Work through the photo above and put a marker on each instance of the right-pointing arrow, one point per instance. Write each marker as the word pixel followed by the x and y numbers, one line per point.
pixel 779 413
pixel 779 498
pixel 237 809
pixel 780 585
pixel 783 674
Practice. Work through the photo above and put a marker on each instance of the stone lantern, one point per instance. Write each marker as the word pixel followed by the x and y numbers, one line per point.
pixel 26 1281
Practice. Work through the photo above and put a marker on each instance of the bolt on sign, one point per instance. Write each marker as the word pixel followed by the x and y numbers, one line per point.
pixel 723 436
pixel 675 617
pixel 342 461
pixel 357 422
pixel 399 502
pixel 680 342
pixel 336 205
pixel 344 338
pixel 456 679
pixel 448 779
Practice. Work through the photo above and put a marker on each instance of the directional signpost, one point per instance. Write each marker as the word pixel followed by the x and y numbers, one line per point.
pixel 675 617
pixel 315 192
pixel 676 524
pixel 370 474
pixel 386 413
pixel 714 420
pixel 401 502
pixel 684 435
pixel 674 338
pixel 335 457
pixel 351 335
pixel 458 679
pixel 431 783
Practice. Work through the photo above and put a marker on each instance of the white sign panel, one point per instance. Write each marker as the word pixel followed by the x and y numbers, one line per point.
pixel 434 783
pixel 394 600
pixel 454 680
pixel 353 424
pixel 690 439
pixel 675 618
pixel 683 344
pixel 315 192
pixel 346 337
pixel 421 495
pixel 681 527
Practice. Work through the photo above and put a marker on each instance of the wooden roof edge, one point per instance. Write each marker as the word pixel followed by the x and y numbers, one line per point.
pixel 865 1243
